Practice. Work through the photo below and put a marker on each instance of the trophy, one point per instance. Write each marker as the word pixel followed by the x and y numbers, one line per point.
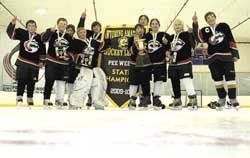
pixel 142 59
pixel 140 43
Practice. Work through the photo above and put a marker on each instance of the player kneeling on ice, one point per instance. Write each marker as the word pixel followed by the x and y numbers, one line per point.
pixel 180 67
pixel 91 79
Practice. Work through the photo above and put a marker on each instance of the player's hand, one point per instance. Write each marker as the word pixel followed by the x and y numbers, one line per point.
pixel 141 52
pixel 235 59
pixel 41 65
pixel 195 18
pixel 14 21
pixel 84 14
pixel 164 40
pixel 53 29
pixel 190 30
pixel 81 55
pixel 136 38
pixel 167 58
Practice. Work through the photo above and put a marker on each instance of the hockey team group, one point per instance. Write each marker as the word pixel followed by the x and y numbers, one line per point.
pixel 72 61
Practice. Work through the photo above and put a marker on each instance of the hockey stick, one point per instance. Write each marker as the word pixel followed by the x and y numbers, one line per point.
pixel 240 23
pixel 95 10
pixel 240 42
pixel 11 13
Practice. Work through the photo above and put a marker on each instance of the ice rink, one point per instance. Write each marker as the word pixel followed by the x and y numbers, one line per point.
pixel 39 133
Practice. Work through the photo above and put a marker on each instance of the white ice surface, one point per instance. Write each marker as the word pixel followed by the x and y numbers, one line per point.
pixel 205 133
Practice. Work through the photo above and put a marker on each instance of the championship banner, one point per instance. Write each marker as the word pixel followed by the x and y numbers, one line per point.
pixel 115 63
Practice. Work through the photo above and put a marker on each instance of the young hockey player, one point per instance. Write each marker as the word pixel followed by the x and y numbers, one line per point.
pixel 223 53
pixel 139 72
pixel 31 57
pixel 156 46
pixel 71 30
pixel 94 33
pixel 180 67
pixel 73 71
pixel 85 53
pixel 143 20
pixel 57 64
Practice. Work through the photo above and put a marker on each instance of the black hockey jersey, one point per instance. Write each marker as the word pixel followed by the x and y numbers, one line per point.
pixel 181 47
pixel 155 47
pixel 31 49
pixel 58 47
pixel 221 43
pixel 91 52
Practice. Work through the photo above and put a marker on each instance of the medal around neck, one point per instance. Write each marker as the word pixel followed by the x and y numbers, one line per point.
pixel 61 46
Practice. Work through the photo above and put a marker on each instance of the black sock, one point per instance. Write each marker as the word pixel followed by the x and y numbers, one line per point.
pixel 221 92
pixel 20 87
pixel 176 85
pixel 48 88
pixel 30 89
pixel 232 93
